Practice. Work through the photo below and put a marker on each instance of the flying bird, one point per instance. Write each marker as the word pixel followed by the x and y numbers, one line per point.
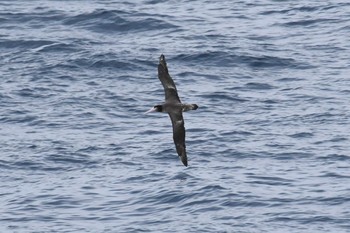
pixel 174 108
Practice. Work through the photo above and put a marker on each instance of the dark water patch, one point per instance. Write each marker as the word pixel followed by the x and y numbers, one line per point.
pixel 164 197
pixel 90 17
pixel 236 133
pixel 306 8
pixel 71 160
pixel 113 64
pixel 113 21
pixel 172 197
pixel 301 135
pixel 61 202
pixel 331 141
pixel 259 86
pixel 292 155
pixel 245 154
pixel 29 165
pixel 266 180
pixel 106 61
pixel 334 200
pixel 41 18
pixel 241 203
pixel 259 38
pixel 209 58
pixel 223 96
pixel 19 118
pixel 269 103
pixel 289 11
pixel 344 28
pixel 196 130
pixel 339 139
pixel 224 59
pixel 319 118
pixel 211 188
pixel 335 175
pixel 24 44
pixel 335 157
pixel 89 149
pixel 289 89
pixel 37 92
pixel 310 98
pixel 182 176
pixel 289 79
pixel 326 48
pixel 268 62
pixel 278 201
pixel 309 22
pixel 272 12
pixel 150 132
pixel 318 219
pixel 5 165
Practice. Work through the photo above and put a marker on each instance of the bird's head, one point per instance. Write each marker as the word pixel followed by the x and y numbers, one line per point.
pixel 156 108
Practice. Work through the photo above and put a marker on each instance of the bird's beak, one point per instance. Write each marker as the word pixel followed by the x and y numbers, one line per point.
pixel 153 109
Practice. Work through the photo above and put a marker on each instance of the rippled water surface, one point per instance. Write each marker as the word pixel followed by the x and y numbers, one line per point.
pixel 268 147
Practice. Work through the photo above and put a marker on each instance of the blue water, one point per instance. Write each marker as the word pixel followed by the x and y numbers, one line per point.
pixel 268 147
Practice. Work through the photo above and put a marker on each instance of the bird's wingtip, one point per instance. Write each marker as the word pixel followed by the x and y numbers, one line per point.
pixel 161 58
pixel 162 61
pixel 184 160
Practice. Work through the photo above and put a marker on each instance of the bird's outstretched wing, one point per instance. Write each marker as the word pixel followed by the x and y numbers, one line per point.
pixel 179 135
pixel 167 81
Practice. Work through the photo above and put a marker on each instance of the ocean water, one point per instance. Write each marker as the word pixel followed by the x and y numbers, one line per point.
pixel 268 147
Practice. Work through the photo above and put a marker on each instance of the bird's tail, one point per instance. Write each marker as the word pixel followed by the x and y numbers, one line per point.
pixel 188 107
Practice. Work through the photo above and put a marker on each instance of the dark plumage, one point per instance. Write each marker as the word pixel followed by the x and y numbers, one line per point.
pixel 174 108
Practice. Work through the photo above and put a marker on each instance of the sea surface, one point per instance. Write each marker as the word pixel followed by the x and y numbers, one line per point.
pixel 268 148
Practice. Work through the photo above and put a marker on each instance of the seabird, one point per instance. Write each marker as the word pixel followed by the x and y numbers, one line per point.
pixel 174 108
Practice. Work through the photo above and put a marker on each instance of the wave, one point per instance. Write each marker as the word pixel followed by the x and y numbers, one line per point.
pixel 114 21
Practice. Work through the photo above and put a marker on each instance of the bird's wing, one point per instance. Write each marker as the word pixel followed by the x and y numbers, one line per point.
pixel 167 81
pixel 179 135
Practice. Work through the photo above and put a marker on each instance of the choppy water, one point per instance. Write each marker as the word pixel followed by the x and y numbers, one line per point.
pixel 268 148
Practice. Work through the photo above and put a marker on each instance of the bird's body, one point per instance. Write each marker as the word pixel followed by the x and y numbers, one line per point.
pixel 174 108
